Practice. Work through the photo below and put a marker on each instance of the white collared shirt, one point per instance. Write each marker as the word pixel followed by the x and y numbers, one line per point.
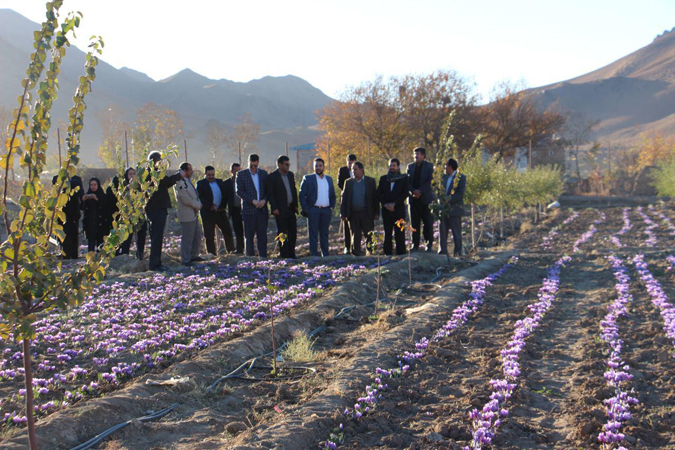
pixel 256 183
pixel 217 195
pixel 450 180
pixel 322 198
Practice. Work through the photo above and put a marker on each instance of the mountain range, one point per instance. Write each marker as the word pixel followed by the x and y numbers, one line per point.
pixel 632 96
pixel 285 107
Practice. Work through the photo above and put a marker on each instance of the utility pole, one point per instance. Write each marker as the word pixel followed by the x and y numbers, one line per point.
pixel 286 148
pixel 370 161
pixel 328 156
pixel 185 143
pixel 239 145
pixel 530 158
pixel 609 158
pixel 126 147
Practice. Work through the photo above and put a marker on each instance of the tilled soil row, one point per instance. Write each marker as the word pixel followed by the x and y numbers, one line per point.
pixel 79 422
pixel 303 426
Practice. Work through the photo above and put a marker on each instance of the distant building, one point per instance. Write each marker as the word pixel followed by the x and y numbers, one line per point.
pixel 304 155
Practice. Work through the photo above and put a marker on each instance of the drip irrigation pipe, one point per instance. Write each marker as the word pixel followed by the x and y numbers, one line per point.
pixel 150 417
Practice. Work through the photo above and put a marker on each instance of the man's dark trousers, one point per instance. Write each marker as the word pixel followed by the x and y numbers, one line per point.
pixel 238 226
pixel 318 222
pixel 421 214
pixel 289 226
pixel 360 224
pixel 157 219
pixel 255 225
pixel 454 224
pixel 389 219
pixel 210 221
pixel 70 243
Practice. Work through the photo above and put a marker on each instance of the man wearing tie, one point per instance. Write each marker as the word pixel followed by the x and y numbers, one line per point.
pixel 453 208
pixel 283 197
pixel 214 195
pixel 420 174
pixel 392 193
pixel 317 198
pixel 345 173
pixel 234 206
pixel 251 184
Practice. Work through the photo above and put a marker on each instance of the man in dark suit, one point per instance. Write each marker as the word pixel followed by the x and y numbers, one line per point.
pixel 214 195
pixel 392 193
pixel 157 210
pixel 420 174
pixel 344 174
pixel 454 184
pixel 251 185
pixel 317 198
pixel 360 207
pixel 283 197
pixel 234 207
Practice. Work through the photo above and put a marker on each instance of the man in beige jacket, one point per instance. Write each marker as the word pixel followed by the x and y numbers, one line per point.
pixel 188 211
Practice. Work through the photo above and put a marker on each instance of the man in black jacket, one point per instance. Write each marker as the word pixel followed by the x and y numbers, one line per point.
pixel 214 195
pixel 454 185
pixel 157 209
pixel 344 174
pixel 420 174
pixel 234 207
pixel 360 207
pixel 283 197
pixel 392 193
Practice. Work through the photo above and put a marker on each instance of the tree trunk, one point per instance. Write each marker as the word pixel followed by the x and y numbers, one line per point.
pixel 32 437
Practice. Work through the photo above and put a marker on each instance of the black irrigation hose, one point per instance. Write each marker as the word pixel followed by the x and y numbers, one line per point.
pixel 95 440
pixel 281 378
pixel 251 362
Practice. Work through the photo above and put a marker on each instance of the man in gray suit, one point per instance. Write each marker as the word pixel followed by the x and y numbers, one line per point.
pixel 317 198
pixel 420 174
pixel 251 188
pixel 454 185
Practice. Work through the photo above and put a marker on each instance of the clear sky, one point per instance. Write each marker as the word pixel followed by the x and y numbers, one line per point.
pixel 332 44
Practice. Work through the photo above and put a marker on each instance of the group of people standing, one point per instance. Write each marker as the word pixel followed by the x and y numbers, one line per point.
pixel 242 204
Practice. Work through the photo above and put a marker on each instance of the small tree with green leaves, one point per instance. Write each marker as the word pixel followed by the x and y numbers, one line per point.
pixel 664 178
pixel 32 278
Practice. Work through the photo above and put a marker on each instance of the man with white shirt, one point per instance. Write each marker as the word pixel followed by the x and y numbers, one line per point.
pixel 214 195
pixel 317 198
pixel 454 184
pixel 188 206
pixel 251 185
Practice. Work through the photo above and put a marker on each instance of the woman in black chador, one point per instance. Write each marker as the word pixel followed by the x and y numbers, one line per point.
pixel 95 205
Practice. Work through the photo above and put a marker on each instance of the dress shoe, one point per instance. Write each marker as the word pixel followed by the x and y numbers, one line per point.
pixel 197 259
pixel 441 252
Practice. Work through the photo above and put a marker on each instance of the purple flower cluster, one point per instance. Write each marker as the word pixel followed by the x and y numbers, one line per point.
pixel 486 421
pixel 589 234
pixel 547 242
pixel 627 226
pixel 124 329
pixel 671 263
pixel 658 296
pixel 460 315
pixel 616 375
pixel 651 240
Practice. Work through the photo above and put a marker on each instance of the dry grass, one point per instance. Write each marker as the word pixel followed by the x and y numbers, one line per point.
pixel 300 348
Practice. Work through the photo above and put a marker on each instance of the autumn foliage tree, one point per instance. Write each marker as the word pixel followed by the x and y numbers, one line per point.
pixel 513 119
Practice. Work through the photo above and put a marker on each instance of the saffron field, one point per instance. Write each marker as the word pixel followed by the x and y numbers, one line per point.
pixel 562 337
